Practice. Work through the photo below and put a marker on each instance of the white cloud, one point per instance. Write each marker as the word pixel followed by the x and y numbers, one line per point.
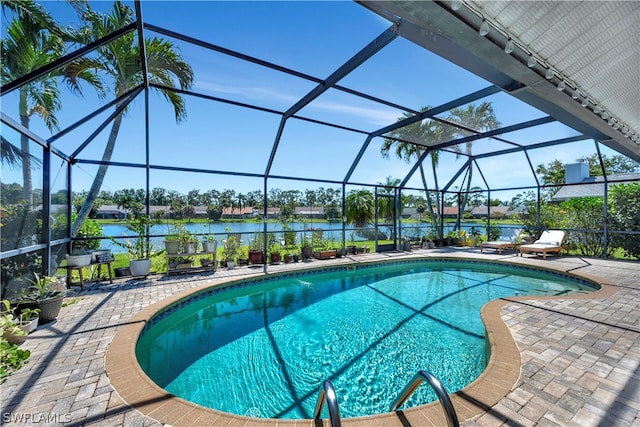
pixel 376 116
pixel 253 93
pixel 267 96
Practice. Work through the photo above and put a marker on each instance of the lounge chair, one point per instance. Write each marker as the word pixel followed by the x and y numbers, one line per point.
pixel 498 245
pixel 549 242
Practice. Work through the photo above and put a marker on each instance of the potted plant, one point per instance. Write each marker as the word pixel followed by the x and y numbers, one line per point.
pixel 429 240
pixel 45 294
pixel 175 241
pixel 230 250
pixel 274 253
pixel 30 317
pixel 447 240
pixel 307 249
pixel 14 332
pixel 256 252
pixel 190 243
pixel 208 244
pixel 171 243
pixel 140 249
pixel 243 256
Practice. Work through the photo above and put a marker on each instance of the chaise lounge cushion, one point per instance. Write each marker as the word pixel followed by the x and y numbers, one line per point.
pixel 549 241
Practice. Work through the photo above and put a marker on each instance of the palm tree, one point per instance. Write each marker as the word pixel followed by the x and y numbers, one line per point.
pixel 28 46
pixel 227 200
pixel 472 120
pixel 120 62
pixel 359 208
pixel 426 132
pixel 241 202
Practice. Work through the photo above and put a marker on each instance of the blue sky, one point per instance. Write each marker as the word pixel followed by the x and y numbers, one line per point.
pixel 314 38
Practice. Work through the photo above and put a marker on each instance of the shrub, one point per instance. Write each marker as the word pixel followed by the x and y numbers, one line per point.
pixel 624 208
pixel 586 214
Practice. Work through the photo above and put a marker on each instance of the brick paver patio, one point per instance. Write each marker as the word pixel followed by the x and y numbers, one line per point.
pixel 580 357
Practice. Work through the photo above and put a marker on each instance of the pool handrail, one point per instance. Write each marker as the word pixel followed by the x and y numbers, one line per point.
pixel 436 385
pixel 329 394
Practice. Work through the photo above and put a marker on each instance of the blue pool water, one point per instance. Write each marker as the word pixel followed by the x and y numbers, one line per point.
pixel 263 349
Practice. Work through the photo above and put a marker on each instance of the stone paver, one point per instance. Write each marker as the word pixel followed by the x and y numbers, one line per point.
pixel 580 357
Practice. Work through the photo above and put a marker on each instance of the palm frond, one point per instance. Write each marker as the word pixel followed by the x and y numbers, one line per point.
pixel 32 12
pixel 11 156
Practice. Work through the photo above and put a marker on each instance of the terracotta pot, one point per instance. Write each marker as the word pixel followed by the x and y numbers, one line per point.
pixel 256 257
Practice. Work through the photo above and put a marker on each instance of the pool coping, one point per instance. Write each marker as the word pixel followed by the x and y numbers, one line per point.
pixel 496 381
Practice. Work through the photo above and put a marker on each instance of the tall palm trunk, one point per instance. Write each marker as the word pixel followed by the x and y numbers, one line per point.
pixel 432 214
pixel 434 166
pixel 465 197
pixel 94 191
pixel 27 183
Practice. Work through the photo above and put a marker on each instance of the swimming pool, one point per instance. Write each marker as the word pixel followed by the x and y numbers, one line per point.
pixel 261 348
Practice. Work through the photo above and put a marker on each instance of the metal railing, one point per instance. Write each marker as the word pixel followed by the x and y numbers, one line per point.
pixel 328 394
pixel 436 385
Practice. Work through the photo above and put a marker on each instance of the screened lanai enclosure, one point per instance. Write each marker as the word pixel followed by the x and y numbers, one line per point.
pixel 375 125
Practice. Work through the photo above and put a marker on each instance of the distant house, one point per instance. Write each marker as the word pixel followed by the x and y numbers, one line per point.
pixel 519 210
pixel 450 212
pixel 200 211
pixel 409 213
pixel 159 210
pixel 493 211
pixel 237 213
pixel 310 211
pixel 447 212
pixel 110 212
pixel 271 212
pixel 583 185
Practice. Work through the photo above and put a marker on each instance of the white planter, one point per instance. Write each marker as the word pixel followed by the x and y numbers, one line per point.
pixel 207 246
pixel 230 264
pixel 191 248
pixel 33 325
pixel 140 267
pixel 78 260
pixel 172 246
